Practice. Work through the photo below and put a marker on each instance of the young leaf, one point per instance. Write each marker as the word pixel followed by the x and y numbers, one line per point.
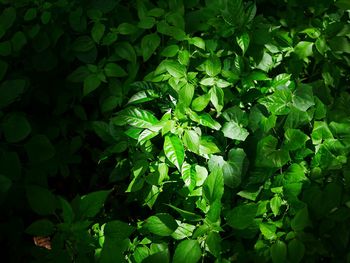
pixel 174 150
pixel 296 251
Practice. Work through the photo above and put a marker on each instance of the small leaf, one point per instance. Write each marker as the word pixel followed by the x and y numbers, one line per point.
pixel 189 175
pixel 188 251
pixel 160 224
pixel 295 139
pixel 217 98
pixel 174 150
pixel 186 94
pixel 149 44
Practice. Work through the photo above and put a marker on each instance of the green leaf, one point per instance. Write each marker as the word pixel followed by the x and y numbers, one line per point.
pixel 92 203
pixel 243 42
pixel 234 131
pixel 114 70
pixel 206 120
pixel 269 156
pixel 83 44
pixel 295 139
pixel 97 32
pixel 30 14
pixel 303 97
pixel 198 42
pixel 186 94
pixel 39 149
pixel 175 69
pixel 212 66
pixel 275 204
pixel 16 127
pixel 3 69
pixel 127 29
pixel 300 220
pixel 343 4
pixel 242 216
pixel 146 22
pixel 5 185
pixel 213 187
pixel 303 49
pixel 170 51
pixel 160 224
pixel 296 251
pixel 233 168
pixel 67 211
pixel 149 44
pixel 41 200
pixel 268 230
pixel 174 150
pixel 279 102
pixel 213 242
pixel 126 51
pixel 184 57
pixel 208 145
pixel 278 252
pixel 186 214
pixel 188 251
pixel 217 98
pixel 79 75
pixel 320 132
pixel 41 227
pixel 118 230
pixel 10 91
pixel 91 83
pixel 191 140
pixel 45 17
pixel 136 117
pixel 201 102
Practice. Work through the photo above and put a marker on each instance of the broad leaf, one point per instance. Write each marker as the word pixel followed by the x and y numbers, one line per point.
pixel 160 224
pixel 188 251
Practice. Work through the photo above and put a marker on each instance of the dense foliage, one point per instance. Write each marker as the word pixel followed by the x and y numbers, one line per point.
pixel 175 131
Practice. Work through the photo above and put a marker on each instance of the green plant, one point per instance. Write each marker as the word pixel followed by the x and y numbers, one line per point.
pixel 175 131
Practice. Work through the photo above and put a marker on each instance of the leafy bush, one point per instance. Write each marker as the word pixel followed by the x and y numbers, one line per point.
pixel 175 131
